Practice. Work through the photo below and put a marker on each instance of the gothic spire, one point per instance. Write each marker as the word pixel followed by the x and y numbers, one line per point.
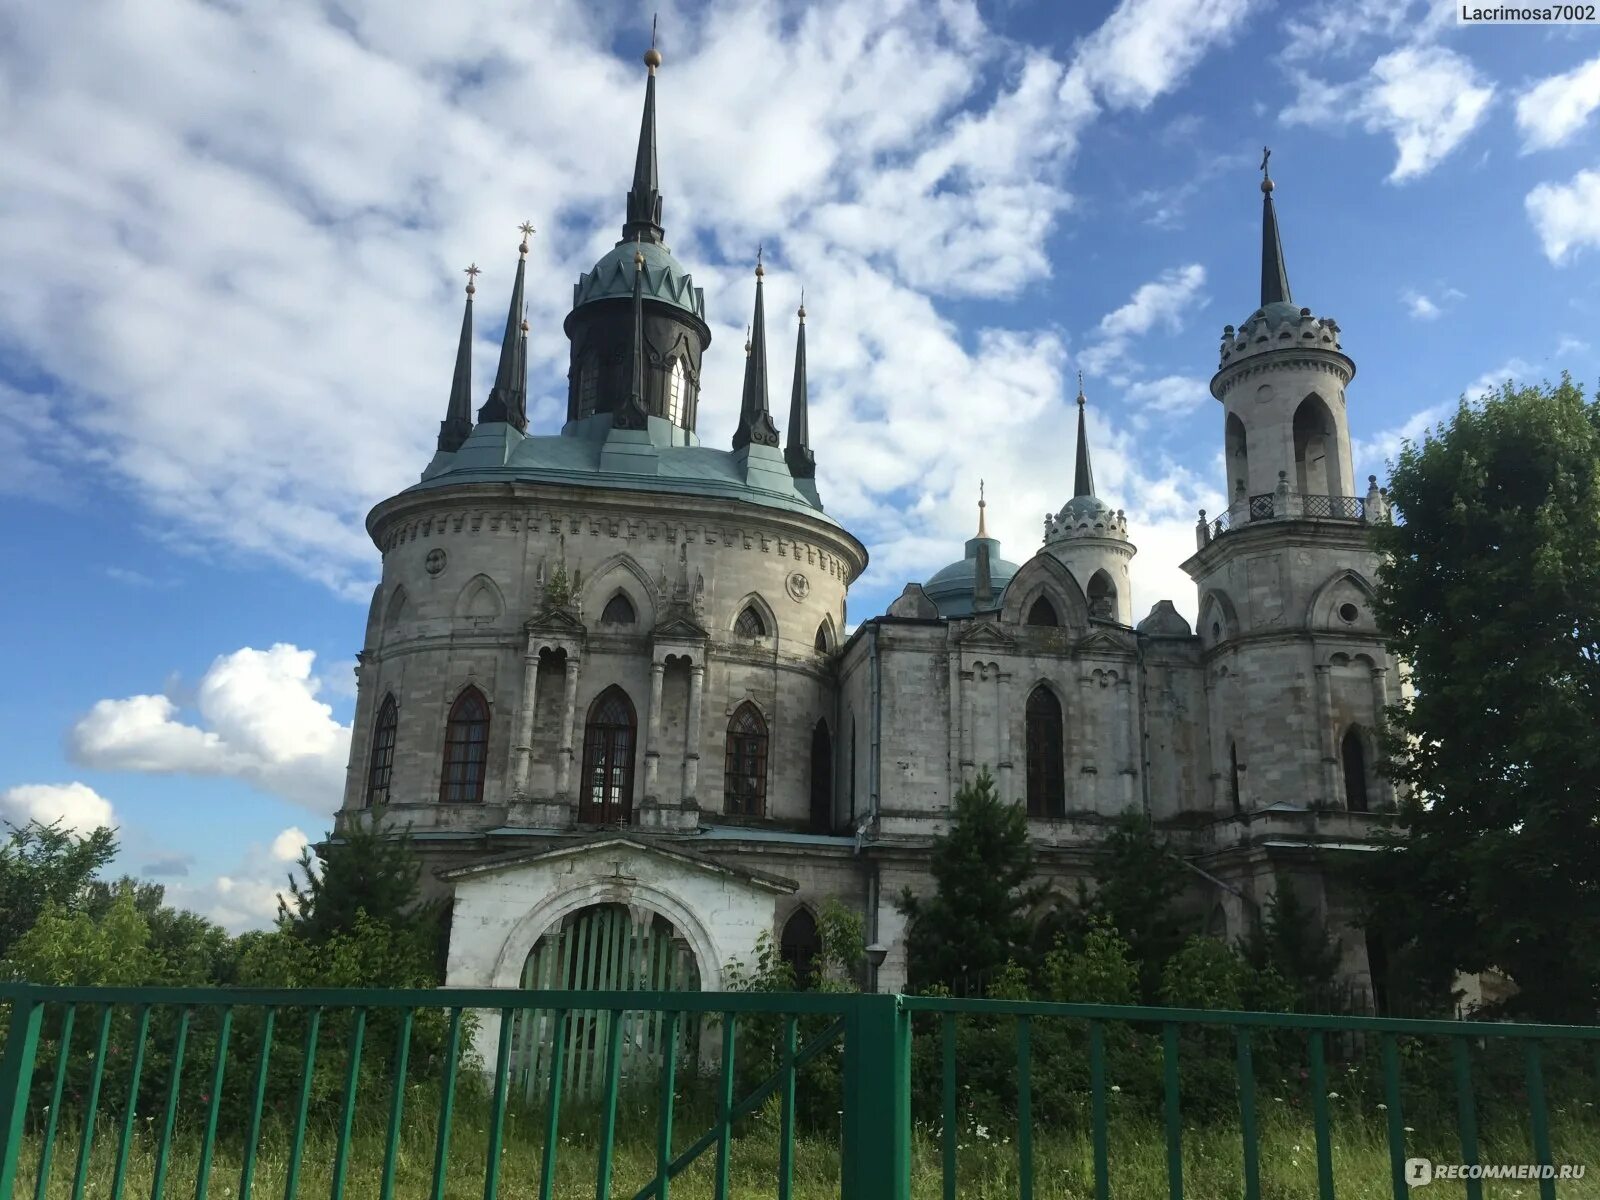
pixel 508 399
pixel 644 197
pixel 632 413
pixel 983 527
pixel 1083 482
pixel 1274 275
pixel 457 423
pixel 755 421
pixel 802 462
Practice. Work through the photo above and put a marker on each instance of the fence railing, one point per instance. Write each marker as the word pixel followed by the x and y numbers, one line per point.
pixel 1278 506
pixel 175 1057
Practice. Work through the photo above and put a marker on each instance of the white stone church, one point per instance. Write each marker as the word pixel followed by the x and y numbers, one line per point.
pixel 607 681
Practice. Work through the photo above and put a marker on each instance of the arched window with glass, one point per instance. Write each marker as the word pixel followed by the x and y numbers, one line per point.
pixel 745 776
pixel 1047 766
pixel 609 736
pixel 1353 752
pixel 750 625
pixel 672 409
pixel 380 763
pixel 466 749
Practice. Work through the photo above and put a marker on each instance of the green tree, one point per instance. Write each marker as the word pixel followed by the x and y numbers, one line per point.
pixel 369 874
pixel 1101 971
pixel 46 865
pixel 1138 880
pixel 980 915
pixel 70 947
pixel 1292 943
pixel 1490 590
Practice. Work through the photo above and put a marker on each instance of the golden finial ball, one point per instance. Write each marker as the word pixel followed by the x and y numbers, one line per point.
pixel 760 270
pixel 652 58
pixel 1266 185
pixel 524 324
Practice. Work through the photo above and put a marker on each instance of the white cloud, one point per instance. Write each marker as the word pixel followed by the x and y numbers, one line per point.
pixel 273 234
pixel 1555 108
pixel 1427 98
pixel 1566 216
pixel 259 721
pixel 1337 30
pixel 287 846
pixel 76 805
pixel 1513 370
pixel 1146 46
pixel 1171 395
pixel 1166 302
pixel 1420 307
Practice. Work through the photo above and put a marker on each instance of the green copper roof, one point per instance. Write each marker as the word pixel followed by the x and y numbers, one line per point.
pixel 664 279
pixel 953 588
pixel 590 453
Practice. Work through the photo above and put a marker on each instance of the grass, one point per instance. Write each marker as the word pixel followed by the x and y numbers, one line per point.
pixel 987 1159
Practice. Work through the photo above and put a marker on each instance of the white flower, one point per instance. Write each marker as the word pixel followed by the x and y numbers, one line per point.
pixel 1297 1149
pixel 1383 1108
pixel 1409 1129
pixel 982 1131
pixel 1279 1099
pixel 1333 1095
pixel 1115 1088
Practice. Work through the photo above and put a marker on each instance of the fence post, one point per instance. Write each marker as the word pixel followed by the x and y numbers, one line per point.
pixel 16 1077
pixel 877 1100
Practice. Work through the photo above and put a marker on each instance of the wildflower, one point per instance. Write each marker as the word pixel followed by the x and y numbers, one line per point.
pixel 1409 1129
pixel 982 1131
pixel 1115 1088
pixel 1297 1149
pixel 1383 1108
pixel 1333 1095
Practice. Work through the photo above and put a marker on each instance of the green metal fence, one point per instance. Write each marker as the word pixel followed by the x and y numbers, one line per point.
pixel 112 1074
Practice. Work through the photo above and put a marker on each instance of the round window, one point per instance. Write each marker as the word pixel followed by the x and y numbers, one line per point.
pixel 1348 613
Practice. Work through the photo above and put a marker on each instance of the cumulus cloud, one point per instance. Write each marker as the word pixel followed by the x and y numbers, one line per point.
pixel 1427 98
pixel 287 846
pixel 76 805
pixel 259 720
pixel 1420 307
pixel 273 234
pixel 1165 302
pixel 1555 108
pixel 1566 216
pixel 246 895
pixel 1171 395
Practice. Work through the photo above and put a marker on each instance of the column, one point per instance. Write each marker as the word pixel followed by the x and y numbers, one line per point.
pixel 1330 774
pixel 1129 740
pixel 953 723
pixel 652 747
pixel 691 738
pixel 964 718
pixel 524 747
pixel 1004 693
pixel 569 704
pixel 1380 705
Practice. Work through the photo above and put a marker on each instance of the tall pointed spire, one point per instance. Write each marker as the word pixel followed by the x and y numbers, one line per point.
pixel 644 197
pixel 802 462
pixel 457 423
pixel 755 421
pixel 983 504
pixel 508 399
pixel 1274 275
pixel 1083 482
pixel 632 414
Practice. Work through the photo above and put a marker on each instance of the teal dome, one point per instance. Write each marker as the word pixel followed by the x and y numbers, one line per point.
pixel 1279 312
pixel 953 589
pixel 665 279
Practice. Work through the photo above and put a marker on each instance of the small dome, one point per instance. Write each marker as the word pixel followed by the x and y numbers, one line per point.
pixel 953 589
pixel 665 278
pixel 1279 312
pixel 1088 508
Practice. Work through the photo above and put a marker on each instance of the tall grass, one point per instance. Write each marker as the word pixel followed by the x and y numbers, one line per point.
pixel 987 1165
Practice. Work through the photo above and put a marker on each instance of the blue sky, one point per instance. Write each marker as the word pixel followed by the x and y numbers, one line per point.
pixel 234 238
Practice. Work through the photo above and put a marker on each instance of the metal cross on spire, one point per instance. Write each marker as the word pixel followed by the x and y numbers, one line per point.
pixel 472 274
pixel 1266 153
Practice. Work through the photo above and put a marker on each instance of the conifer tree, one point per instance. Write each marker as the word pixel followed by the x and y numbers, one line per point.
pixel 980 915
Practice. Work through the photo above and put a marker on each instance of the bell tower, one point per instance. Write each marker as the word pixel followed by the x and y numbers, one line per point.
pixel 1296 674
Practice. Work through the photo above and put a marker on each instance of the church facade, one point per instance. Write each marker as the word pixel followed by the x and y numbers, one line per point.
pixel 606 678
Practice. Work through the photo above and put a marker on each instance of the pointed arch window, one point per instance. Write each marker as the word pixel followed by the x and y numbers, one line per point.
pixel 618 611
pixel 1102 596
pixel 1047 766
pixel 1233 777
pixel 750 625
pixel 821 643
pixel 588 385
pixel 673 408
pixel 1043 613
pixel 801 947
pixel 466 749
pixel 821 779
pixel 745 777
pixel 380 764
pixel 609 736
pixel 1353 752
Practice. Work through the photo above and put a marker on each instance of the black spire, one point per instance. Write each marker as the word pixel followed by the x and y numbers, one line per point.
pixel 644 197
pixel 632 414
pixel 457 423
pixel 1083 483
pixel 1274 275
pixel 802 462
pixel 755 422
pixel 508 399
